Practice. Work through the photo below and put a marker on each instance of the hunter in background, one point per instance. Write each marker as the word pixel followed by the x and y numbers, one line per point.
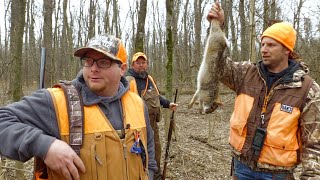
pixel 143 84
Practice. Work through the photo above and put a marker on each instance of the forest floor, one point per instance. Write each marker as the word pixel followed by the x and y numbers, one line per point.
pixel 201 149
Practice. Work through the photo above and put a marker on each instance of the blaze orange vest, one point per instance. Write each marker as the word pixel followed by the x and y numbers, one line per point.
pixel 103 153
pixel 282 112
pixel 133 85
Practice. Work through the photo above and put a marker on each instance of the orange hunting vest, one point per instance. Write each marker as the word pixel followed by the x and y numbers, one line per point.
pixel 103 153
pixel 133 85
pixel 282 113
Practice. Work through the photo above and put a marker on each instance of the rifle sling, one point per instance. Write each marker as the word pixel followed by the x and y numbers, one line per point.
pixel 76 121
pixel 75 115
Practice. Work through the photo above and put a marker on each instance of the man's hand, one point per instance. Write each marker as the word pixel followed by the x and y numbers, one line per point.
pixel 173 106
pixel 216 12
pixel 63 160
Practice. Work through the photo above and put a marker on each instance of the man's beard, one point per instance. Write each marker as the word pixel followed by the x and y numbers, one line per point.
pixel 143 74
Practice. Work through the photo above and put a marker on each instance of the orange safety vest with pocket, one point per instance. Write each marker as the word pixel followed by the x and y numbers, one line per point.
pixel 283 107
pixel 150 96
pixel 105 152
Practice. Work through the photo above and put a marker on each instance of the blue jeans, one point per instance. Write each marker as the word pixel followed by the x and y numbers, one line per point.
pixel 244 172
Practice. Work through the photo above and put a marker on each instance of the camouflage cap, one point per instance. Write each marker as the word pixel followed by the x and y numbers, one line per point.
pixel 106 44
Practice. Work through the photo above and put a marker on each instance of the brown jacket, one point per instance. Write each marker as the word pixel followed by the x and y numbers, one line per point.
pixel 304 123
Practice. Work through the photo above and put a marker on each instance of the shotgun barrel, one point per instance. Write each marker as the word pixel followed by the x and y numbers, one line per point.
pixel 42 67
pixel 169 140
pixel 38 162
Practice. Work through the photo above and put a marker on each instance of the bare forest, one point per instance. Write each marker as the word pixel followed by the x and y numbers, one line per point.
pixel 172 33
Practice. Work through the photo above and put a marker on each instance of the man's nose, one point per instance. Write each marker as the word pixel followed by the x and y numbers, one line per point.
pixel 95 66
pixel 263 49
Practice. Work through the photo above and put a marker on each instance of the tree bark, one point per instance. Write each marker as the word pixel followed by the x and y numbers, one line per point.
pixel 48 6
pixel 140 34
pixel 253 56
pixel 16 43
pixel 18 8
pixel 92 18
pixel 243 36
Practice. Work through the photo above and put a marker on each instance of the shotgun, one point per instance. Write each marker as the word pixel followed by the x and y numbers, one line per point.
pixel 169 140
pixel 42 67
pixel 38 162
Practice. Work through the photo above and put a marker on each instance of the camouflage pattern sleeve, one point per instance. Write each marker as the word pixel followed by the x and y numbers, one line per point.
pixel 310 135
pixel 234 72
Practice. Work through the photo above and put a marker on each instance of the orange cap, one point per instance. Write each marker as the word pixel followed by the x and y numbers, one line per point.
pixel 106 44
pixel 137 55
pixel 282 32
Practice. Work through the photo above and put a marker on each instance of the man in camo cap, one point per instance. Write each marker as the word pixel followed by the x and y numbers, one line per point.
pixel 117 140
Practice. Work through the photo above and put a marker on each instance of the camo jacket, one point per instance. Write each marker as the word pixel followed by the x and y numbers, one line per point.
pixel 232 75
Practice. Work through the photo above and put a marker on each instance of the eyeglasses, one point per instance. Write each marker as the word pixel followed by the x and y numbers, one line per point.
pixel 101 63
pixel 141 63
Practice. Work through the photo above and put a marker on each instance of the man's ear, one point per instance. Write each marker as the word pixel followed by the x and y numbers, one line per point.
pixel 287 51
pixel 123 69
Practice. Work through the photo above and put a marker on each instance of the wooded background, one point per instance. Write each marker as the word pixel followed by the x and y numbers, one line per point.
pixel 172 34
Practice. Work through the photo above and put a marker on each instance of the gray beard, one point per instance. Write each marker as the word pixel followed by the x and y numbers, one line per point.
pixel 143 74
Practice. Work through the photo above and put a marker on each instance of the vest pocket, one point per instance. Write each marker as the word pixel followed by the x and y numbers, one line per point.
pixel 142 157
pixel 151 98
pixel 238 121
pixel 281 144
pixel 278 156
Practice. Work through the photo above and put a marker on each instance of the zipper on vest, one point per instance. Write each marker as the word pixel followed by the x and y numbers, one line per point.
pixel 267 98
pixel 96 156
pixel 125 157
pixel 124 149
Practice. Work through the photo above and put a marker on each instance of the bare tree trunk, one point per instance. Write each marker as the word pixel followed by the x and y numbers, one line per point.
pixel 107 17
pixel 16 43
pixel 196 59
pixel 18 8
pixel 296 19
pixel 175 17
pixel 48 6
pixel 273 9
pixel 185 46
pixel 33 54
pixel 244 48
pixel 79 34
pixel 92 18
pixel 234 38
pixel 26 65
pixel 265 14
pixel 75 64
pixel 227 12
pixel 115 19
pixel 169 43
pixel 253 55
pixel 8 60
pixel 140 34
pixel 58 45
pixel 66 60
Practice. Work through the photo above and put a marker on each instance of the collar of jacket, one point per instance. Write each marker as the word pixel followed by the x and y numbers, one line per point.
pixel 292 77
